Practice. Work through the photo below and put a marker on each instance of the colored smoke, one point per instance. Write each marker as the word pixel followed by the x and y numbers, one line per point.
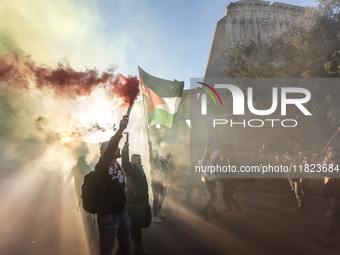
pixel 127 88
pixel 46 112
pixel 23 73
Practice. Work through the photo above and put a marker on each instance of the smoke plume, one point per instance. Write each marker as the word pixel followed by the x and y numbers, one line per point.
pixel 23 73
pixel 45 109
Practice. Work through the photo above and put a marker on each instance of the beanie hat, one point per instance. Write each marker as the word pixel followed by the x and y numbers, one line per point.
pixel 103 147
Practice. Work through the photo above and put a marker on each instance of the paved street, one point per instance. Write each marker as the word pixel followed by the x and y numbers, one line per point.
pixel 268 225
pixel 39 216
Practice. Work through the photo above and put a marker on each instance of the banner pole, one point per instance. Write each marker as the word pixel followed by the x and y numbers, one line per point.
pixel 330 141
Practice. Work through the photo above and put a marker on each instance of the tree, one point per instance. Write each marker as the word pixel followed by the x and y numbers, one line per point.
pixel 309 49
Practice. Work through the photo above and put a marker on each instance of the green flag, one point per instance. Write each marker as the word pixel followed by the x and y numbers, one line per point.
pixel 161 98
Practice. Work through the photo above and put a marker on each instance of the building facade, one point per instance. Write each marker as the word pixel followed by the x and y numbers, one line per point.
pixel 245 21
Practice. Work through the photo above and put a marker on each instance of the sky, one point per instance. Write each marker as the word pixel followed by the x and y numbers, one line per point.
pixel 168 39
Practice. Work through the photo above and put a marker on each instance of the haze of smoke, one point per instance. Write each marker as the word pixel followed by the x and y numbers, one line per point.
pixel 19 141
pixel 37 106
pixel 32 125
pixel 23 73
pixel 41 123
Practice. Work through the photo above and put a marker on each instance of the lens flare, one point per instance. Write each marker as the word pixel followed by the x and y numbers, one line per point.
pixel 65 139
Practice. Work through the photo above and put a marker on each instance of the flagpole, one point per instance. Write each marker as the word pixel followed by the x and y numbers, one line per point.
pixel 146 117
pixel 330 140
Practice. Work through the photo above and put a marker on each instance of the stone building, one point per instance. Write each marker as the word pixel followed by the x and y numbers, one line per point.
pixel 243 21
pixel 248 20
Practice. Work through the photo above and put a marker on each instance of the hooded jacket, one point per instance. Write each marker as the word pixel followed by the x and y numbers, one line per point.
pixel 111 178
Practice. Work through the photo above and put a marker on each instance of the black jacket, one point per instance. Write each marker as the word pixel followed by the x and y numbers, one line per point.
pixel 137 186
pixel 113 184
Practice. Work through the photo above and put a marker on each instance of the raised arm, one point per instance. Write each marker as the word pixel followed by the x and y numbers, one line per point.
pixel 108 155
pixel 125 158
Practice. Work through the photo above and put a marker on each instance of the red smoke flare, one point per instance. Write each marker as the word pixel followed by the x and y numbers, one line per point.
pixel 20 72
pixel 126 88
pixel 12 71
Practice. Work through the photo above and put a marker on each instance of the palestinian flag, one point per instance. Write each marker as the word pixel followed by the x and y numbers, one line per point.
pixel 161 98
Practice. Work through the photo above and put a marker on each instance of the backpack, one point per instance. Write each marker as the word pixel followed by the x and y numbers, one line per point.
pixel 148 216
pixel 90 193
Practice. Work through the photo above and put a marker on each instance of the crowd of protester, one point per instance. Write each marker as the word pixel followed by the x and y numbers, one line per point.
pixel 170 175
